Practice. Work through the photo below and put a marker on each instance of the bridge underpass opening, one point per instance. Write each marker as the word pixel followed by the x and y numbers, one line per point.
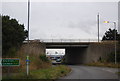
pixel 75 52
pixel 55 55
pixel 71 55
pixel 75 55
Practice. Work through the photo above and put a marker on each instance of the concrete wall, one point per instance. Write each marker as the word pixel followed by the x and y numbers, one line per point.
pixel 92 53
pixel 97 50
pixel 35 48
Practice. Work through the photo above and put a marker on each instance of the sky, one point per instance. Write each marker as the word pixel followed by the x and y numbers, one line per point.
pixel 119 17
pixel 63 20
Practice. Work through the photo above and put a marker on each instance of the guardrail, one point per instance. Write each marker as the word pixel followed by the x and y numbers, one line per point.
pixel 68 40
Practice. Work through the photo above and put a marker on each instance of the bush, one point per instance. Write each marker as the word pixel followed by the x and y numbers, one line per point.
pixel 43 58
pixel 101 60
pixel 111 57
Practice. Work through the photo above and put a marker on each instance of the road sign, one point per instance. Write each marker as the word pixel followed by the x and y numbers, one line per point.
pixel 27 60
pixel 9 62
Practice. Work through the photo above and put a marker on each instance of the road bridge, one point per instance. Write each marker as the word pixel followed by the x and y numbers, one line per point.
pixel 79 51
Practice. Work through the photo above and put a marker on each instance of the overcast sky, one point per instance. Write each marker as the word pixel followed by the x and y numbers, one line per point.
pixel 77 20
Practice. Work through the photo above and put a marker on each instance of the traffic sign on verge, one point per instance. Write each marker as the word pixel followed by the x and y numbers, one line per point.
pixel 9 62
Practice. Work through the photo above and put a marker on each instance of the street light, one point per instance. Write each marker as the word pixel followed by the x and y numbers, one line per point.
pixel 114 39
pixel 98 19
pixel 27 57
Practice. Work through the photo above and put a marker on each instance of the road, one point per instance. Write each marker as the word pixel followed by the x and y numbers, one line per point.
pixel 89 72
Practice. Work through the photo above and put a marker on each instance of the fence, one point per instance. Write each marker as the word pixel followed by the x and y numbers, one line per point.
pixel 68 40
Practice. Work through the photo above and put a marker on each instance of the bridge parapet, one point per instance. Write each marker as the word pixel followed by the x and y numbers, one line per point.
pixel 68 40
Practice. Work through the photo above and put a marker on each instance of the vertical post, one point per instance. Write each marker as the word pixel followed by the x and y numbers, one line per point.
pixel 115 43
pixel 98 26
pixel 27 65
pixel 28 17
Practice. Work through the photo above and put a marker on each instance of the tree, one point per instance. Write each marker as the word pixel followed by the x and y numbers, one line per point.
pixel 110 35
pixel 13 34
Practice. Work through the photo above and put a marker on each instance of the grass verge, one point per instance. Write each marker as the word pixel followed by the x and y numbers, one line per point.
pixel 50 73
pixel 118 73
pixel 111 65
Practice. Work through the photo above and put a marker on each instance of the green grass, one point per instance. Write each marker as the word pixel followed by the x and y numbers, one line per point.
pixel 111 65
pixel 50 73
pixel 118 73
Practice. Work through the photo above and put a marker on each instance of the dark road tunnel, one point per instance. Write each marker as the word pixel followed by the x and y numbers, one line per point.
pixel 75 55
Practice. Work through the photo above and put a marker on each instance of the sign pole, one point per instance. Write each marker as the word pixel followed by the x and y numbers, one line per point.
pixel 27 63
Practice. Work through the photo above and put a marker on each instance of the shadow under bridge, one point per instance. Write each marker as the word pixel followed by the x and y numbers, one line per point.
pixel 75 52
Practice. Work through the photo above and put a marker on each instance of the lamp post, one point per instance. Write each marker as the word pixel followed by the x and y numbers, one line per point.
pixel 27 57
pixel 114 39
pixel 98 19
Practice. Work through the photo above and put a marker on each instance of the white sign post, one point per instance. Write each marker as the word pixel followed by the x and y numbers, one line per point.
pixel 27 65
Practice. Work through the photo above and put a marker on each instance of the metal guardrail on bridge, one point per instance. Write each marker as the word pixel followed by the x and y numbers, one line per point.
pixel 67 40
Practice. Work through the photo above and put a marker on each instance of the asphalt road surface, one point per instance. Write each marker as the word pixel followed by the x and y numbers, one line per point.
pixel 89 72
